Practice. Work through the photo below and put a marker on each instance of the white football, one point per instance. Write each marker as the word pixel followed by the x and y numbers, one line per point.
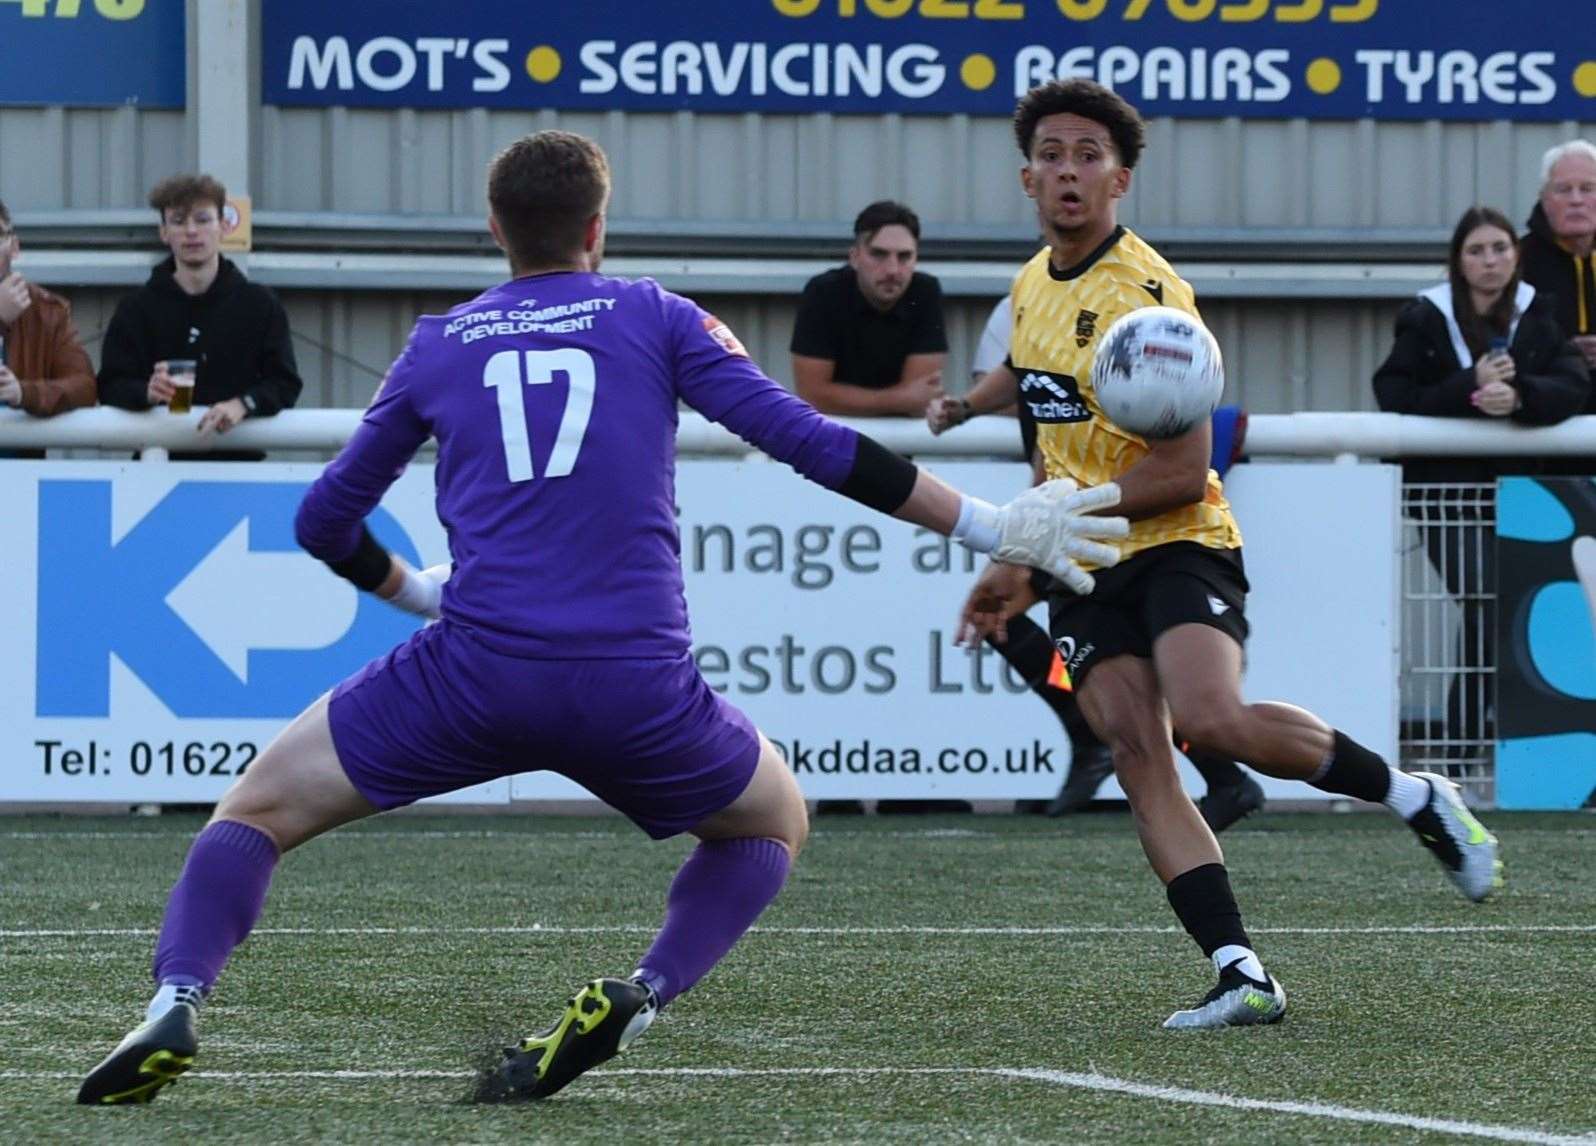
pixel 1158 372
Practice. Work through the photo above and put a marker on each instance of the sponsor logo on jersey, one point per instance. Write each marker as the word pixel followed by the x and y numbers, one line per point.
pixel 723 335
pixel 1085 327
pixel 1053 398
pixel 1154 288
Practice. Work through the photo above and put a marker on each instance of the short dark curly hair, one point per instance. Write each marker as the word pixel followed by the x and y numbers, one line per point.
pixel 185 192
pixel 1089 100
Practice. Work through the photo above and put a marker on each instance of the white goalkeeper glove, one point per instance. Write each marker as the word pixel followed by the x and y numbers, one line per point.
pixel 1048 527
pixel 421 592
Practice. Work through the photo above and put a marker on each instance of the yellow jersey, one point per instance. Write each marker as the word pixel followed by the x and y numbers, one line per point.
pixel 1058 318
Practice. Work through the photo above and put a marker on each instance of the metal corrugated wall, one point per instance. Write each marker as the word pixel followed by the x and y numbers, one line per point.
pixel 952 169
pixel 54 158
pixel 955 170
pixel 1291 356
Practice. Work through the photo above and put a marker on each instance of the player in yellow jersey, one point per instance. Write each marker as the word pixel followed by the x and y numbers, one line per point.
pixel 1160 635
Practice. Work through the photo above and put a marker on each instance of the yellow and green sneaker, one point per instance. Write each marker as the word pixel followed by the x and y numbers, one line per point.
pixel 600 1022
pixel 1235 1001
pixel 1470 854
pixel 153 1056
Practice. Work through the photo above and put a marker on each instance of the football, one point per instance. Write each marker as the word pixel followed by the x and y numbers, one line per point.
pixel 1158 372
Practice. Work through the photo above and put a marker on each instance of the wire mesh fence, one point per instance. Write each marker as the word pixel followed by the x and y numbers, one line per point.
pixel 1448 683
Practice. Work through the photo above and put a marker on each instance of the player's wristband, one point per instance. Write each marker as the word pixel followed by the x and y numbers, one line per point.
pixel 417 594
pixel 367 567
pixel 979 524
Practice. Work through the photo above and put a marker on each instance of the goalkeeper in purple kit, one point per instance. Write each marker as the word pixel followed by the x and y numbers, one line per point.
pixel 561 639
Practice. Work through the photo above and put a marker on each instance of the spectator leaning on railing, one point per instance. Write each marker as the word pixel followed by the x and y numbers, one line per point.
pixel 869 337
pixel 1559 253
pixel 869 340
pixel 1483 344
pixel 43 367
pixel 197 305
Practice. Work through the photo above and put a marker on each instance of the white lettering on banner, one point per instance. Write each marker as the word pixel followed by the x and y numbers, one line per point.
pixel 1162 72
pixel 801 70
pixel 366 63
pixel 389 64
pixel 434 48
pixel 828 624
pixel 322 66
pixel 495 75
pixel 637 67
pixel 601 78
pixel 1454 77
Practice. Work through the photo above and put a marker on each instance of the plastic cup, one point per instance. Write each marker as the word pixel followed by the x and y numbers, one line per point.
pixel 181 372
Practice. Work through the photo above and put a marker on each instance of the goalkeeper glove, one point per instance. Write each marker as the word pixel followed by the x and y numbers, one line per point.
pixel 1048 527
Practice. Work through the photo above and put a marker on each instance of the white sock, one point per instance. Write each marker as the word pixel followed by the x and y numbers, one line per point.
pixel 170 995
pixel 1246 956
pixel 1408 795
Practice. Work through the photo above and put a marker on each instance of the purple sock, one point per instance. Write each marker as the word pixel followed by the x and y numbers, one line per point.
pixel 215 902
pixel 716 896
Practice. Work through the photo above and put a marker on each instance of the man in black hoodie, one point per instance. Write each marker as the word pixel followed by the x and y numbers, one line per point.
pixel 197 305
pixel 1558 256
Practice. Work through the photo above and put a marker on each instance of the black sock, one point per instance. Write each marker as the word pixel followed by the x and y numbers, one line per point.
pixel 1207 909
pixel 1353 770
pixel 1216 771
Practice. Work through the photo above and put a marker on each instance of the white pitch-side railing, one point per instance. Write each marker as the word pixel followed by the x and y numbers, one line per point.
pixel 1321 435
pixel 1430 664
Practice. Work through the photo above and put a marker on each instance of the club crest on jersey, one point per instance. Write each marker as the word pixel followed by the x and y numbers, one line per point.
pixel 723 335
pixel 1085 327
pixel 1053 398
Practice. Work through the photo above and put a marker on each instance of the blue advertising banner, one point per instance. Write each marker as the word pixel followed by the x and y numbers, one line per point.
pixel 1391 59
pixel 1546 642
pixel 92 53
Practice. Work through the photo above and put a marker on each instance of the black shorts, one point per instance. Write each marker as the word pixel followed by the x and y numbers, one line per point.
pixel 1181 583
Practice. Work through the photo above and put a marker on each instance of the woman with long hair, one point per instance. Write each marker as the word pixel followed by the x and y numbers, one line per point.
pixel 1482 344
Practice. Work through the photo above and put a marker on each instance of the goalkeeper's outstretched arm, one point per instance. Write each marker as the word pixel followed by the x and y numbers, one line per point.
pixel 1047 527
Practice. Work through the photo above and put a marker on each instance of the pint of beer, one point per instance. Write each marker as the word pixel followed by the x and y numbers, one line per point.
pixel 181 372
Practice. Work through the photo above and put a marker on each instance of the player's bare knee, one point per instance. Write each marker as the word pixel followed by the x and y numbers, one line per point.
pixel 1139 765
pixel 1204 728
pixel 794 832
pixel 1217 724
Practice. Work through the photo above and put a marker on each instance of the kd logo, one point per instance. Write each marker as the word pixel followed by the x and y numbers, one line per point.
pixel 207 599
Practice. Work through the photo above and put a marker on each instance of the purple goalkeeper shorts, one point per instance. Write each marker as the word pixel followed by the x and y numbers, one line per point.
pixel 441 712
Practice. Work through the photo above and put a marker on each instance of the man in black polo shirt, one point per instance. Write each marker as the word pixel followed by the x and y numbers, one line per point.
pixel 869 342
pixel 869 339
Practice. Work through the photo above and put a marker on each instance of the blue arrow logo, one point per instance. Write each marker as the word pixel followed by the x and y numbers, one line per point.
pixel 98 598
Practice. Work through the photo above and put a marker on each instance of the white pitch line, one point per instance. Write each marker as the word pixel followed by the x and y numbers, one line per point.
pixel 907 929
pixel 1070 1079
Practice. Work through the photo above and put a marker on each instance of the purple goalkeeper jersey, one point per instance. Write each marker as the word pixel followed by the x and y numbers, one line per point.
pixel 554 402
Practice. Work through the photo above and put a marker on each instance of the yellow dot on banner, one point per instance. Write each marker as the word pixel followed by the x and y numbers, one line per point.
pixel 1324 76
pixel 978 71
pixel 543 63
pixel 1585 79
